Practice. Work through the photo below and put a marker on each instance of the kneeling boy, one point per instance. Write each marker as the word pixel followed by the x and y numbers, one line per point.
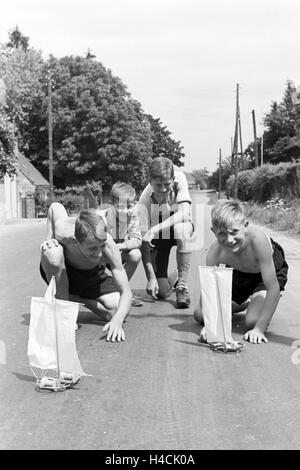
pixel 77 254
pixel 258 262
pixel 165 216
pixel 123 225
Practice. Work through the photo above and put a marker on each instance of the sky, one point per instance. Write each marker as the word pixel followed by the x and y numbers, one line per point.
pixel 181 59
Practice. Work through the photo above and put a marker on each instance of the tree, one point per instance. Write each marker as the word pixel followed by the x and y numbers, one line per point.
pixel 8 162
pixel 99 132
pixel 249 155
pixel 281 123
pixel 213 180
pixel 89 54
pixel 21 71
pixel 17 40
pixel 162 143
pixel 201 177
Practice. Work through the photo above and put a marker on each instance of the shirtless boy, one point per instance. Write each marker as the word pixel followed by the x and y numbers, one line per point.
pixel 76 252
pixel 258 262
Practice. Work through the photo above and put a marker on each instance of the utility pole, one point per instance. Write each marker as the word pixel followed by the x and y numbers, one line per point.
pixel 255 139
pixel 241 143
pixel 50 146
pixel 262 149
pixel 220 172
pixel 235 145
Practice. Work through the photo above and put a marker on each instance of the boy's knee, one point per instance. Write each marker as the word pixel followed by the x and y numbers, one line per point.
pixel 54 205
pixel 53 257
pixel 183 231
pixel 110 302
pixel 164 289
pixel 197 314
pixel 163 294
pixel 134 256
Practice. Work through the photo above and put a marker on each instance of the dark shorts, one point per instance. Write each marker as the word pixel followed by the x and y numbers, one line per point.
pixel 160 254
pixel 87 283
pixel 246 284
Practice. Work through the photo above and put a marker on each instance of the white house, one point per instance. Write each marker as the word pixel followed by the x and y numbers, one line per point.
pixel 20 194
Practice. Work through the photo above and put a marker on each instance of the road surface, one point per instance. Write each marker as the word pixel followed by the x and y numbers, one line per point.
pixel 161 388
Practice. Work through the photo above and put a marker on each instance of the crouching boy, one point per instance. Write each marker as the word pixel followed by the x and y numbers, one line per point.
pixel 123 225
pixel 76 252
pixel 165 216
pixel 258 262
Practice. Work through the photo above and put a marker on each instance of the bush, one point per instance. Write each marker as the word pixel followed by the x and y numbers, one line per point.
pixel 277 213
pixel 76 198
pixel 267 182
pixel 72 203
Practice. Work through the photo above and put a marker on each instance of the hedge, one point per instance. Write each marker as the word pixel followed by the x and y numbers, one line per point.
pixel 267 182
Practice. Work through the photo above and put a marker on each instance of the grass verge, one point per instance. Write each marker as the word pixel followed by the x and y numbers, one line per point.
pixel 277 214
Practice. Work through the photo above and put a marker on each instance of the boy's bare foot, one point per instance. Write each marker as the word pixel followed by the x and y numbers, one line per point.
pixel 202 336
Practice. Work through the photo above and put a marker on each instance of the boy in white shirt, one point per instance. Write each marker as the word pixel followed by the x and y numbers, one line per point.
pixel 165 217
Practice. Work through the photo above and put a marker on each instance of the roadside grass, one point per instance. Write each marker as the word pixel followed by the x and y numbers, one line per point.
pixel 277 214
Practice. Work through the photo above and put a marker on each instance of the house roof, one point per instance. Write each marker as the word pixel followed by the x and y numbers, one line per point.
pixel 31 173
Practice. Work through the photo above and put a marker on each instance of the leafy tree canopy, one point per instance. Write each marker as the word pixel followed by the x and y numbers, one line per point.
pixel 282 123
pixel 201 177
pixel 17 40
pixel 100 133
pixel 162 143
pixel 7 158
pixel 213 180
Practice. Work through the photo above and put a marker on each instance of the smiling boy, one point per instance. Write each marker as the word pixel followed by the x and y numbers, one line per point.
pixel 123 225
pixel 165 217
pixel 258 262
pixel 76 252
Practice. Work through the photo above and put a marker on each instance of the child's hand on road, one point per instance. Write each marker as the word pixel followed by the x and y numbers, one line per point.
pixel 115 330
pixel 152 288
pixel 255 336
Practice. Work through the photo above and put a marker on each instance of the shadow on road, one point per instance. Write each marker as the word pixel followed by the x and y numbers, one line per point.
pixel 198 343
pixel 176 316
pixel 24 377
pixel 26 319
pixel 188 326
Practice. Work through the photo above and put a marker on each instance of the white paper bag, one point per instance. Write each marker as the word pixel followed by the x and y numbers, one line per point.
pixel 51 343
pixel 215 292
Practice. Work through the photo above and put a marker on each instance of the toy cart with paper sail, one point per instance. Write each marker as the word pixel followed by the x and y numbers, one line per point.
pixel 52 350
pixel 215 293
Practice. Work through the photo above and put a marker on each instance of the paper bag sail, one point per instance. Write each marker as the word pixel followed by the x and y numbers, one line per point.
pixel 215 289
pixel 51 344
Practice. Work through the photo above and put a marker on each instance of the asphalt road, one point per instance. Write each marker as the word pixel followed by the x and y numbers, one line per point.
pixel 161 388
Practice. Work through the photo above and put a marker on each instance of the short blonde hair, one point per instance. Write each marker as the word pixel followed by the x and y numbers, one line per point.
pixel 90 223
pixel 161 167
pixel 226 211
pixel 122 191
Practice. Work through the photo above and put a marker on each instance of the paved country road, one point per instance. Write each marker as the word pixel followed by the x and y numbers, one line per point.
pixel 160 389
